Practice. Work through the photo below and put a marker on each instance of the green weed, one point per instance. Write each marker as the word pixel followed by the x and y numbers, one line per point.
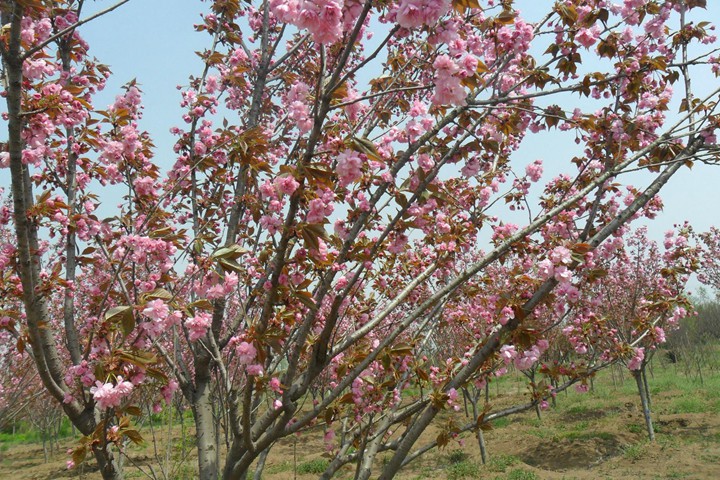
pixel 635 428
pixel 520 474
pixel 457 456
pixel 635 452
pixel 501 422
pixel 279 468
pixel 571 436
pixel 463 469
pixel 688 405
pixel 500 463
pixel 315 467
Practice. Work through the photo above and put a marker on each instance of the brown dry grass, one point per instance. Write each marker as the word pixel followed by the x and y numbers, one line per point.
pixel 598 435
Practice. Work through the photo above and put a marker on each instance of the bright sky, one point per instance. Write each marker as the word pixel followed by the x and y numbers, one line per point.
pixel 154 42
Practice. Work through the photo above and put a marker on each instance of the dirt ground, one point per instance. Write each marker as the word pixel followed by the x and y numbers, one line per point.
pixel 601 438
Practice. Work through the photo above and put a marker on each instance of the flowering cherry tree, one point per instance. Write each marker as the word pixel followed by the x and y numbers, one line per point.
pixel 346 187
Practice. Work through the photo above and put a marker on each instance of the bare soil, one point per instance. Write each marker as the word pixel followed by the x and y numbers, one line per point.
pixel 607 442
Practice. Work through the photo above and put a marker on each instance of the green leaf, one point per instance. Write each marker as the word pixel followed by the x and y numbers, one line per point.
pixel 133 410
pixel 366 146
pixel 230 265
pixel 233 252
pixel 134 436
pixel 79 454
pixel 158 293
pixel 122 315
pixel 461 6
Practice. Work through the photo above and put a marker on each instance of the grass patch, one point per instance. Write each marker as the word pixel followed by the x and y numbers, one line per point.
pixel 572 436
pixel 710 458
pixel 688 405
pixel 278 468
pixel 579 409
pixel 19 438
pixel 533 422
pixel 580 426
pixel 676 475
pixel 635 452
pixel 520 474
pixel 315 467
pixel 635 428
pixel 463 469
pixel 457 456
pixel 501 422
pixel 500 463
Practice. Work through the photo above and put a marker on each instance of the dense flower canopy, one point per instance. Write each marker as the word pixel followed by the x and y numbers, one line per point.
pixel 344 199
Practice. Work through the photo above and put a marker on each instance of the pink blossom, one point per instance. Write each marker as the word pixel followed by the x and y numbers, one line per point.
pixel 274 385
pixel 636 361
pixel 561 255
pixel 198 325
pixel 286 184
pixel 588 36
pixel 246 353
pixel 349 167
pixel 508 353
pixel 156 310
pixel 318 211
pixel 108 395
pixel 323 18
pixel 169 390
pixel 415 13
pixel 534 171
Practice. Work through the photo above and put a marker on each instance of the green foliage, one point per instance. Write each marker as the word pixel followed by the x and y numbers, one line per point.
pixel 635 452
pixel 520 474
pixel 463 469
pixel 314 467
pixel 571 436
pixel 457 456
pixel 689 405
pixel 500 463
pixel 184 472
pixel 501 422
pixel 580 409
pixel 278 468
pixel 635 428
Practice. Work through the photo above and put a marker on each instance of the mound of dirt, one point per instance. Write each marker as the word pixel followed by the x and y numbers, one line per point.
pixel 565 454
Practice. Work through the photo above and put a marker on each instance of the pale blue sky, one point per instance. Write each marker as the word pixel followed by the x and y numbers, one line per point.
pixel 154 42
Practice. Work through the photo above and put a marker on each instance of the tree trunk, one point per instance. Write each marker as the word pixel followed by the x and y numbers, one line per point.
pixel 643 373
pixel 261 464
pixel 106 461
pixel 204 432
pixel 481 444
pixel 645 404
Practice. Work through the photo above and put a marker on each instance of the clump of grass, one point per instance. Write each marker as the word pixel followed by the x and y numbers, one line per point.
pixel 463 469
pixel 581 426
pixel 18 438
pixel 315 467
pixel 579 409
pixel 520 474
pixel 635 428
pixel 457 456
pixel 587 435
pixel 501 422
pixel 635 452
pixel 278 468
pixel 500 463
pixel 533 422
pixel 689 405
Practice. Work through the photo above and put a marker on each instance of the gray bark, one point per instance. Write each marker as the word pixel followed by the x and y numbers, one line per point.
pixel 645 403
